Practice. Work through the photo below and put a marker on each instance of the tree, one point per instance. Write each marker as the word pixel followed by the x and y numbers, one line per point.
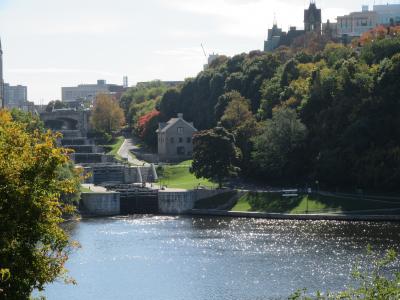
pixel 147 126
pixel 107 115
pixel 141 99
pixel 214 155
pixel 57 104
pixel 236 113
pixel 33 247
pixel 275 149
pixel 31 121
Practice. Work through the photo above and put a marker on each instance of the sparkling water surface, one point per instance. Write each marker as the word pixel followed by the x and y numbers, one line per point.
pixel 199 258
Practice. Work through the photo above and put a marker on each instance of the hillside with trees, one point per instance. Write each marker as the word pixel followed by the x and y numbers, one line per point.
pixel 300 116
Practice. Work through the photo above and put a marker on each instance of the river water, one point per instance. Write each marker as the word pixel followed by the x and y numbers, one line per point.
pixel 172 258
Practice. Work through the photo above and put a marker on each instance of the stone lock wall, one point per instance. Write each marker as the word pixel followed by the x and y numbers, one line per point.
pixel 101 204
pixel 179 202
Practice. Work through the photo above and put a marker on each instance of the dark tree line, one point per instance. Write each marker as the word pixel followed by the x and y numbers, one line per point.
pixel 299 116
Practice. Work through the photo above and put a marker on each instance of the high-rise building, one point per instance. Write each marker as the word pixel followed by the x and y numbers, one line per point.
pixel 15 96
pixel 1 77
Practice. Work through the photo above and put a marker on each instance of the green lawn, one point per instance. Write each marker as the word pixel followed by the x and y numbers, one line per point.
pixel 275 203
pixel 178 176
pixel 242 205
pixel 85 190
pixel 215 201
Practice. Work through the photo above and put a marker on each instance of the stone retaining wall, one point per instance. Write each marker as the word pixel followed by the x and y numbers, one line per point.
pixel 180 202
pixel 101 204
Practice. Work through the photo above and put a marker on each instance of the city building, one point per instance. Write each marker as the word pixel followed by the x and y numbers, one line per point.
pixel 357 23
pixel 1 77
pixel 388 14
pixel 89 91
pixel 175 139
pixel 277 37
pixel 15 96
pixel 274 37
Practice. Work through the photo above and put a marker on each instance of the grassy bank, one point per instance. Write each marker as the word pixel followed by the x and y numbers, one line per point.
pixel 178 176
pixel 85 190
pixel 215 201
pixel 313 203
pixel 115 145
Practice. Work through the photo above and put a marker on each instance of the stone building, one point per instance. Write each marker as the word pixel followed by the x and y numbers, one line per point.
pixel 175 139
pixel 312 18
pixel 277 37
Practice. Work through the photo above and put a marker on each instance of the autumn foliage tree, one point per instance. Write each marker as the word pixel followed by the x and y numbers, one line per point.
pixel 33 247
pixel 147 126
pixel 107 115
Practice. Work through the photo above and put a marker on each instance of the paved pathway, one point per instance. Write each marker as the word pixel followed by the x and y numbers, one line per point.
pixel 94 188
pixel 125 152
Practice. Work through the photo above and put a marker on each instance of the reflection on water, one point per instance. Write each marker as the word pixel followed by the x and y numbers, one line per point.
pixel 153 257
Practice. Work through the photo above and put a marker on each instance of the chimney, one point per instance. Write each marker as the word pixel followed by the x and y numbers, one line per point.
pixel 180 115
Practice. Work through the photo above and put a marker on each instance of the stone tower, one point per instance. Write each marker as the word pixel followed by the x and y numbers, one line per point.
pixel 312 18
pixel 1 78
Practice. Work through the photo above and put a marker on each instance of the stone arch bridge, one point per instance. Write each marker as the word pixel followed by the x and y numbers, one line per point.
pixel 67 120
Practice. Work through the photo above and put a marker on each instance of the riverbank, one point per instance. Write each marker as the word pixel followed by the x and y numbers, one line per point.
pixel 305 217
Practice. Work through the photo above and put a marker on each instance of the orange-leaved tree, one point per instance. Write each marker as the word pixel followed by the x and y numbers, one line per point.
pixel 107 116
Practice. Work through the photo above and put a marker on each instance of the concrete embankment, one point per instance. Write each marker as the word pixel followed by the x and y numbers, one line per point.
pixel 100 203
pixel 278 216
pixel 180 201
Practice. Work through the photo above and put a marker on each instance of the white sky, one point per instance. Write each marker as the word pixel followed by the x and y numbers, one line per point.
pixel 48 44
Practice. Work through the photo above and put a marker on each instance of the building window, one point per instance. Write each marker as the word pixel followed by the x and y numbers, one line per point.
pixel 180 140
pixel 180 130
pixel 172 140
pixel 188 140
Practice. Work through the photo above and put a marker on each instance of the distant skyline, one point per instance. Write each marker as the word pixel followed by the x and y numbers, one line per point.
pixel 48 44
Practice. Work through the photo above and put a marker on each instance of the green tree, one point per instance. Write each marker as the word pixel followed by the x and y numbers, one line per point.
pixel 236 110
pixel 30 120
pixel 55 104
pixel 214 155
pixel 276 148
pixel 33 247
pixel 107 116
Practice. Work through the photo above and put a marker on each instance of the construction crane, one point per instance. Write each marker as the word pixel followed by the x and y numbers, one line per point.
pixel 204 51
